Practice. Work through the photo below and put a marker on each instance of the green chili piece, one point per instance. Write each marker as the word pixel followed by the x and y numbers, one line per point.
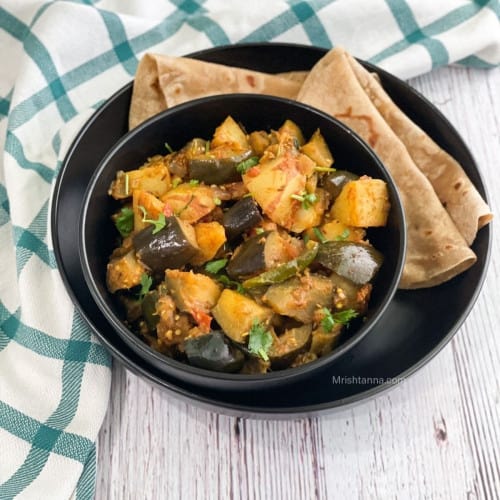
pixel 284 271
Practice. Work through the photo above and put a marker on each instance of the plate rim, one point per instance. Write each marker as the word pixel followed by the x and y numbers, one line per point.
pixel 243 409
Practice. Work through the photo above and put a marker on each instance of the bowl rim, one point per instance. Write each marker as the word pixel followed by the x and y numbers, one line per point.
pixel 147 352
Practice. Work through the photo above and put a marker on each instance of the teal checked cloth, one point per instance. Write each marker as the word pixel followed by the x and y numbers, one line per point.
pixel 59 61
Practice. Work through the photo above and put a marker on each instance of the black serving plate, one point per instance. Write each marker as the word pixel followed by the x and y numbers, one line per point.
pixel 415 327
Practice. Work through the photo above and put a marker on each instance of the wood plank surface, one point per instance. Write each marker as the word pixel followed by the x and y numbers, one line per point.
pixel 434 436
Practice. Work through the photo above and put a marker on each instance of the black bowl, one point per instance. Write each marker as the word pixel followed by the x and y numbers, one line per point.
pixel 198 118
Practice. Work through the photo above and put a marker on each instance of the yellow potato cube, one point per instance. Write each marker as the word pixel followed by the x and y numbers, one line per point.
pixel 210 237
pixel 362 203
pixel 229 133
pixel 317 149
pixel 336 230
pixel 150 203
pixel 153 177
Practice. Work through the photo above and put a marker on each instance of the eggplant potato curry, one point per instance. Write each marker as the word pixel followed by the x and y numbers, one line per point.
pixel 246 252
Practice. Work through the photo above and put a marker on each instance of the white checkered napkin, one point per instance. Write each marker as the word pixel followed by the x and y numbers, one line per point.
pixel 59 61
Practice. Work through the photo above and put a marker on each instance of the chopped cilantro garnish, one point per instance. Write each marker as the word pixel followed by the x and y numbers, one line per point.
pixel 227 281
pixel 260 340
pixel 146 282
pixel 307 199
pixel 217 201
pixel 321 237
pixel 126 184
pixel 124 222
pixel 244 166
pixel 330 319
pixel 194 182
pixel 215 266
pixel 168 147
pixel 176 182
pixel 158 224
pixel 317 168
pixel 345 234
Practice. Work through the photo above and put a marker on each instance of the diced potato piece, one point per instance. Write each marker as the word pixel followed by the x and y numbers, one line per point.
pixel 259 141
pixel 276 183
pixel 273 186
pixel 124 272
pixel 291 128
pixel 150 203
pixel 362 203
pixel 317 149
pixel 173 327
pixel 306 167
pixel 190 202
pixel 192 291
pixel 306 218
pixel 236 313
pixel 229 133
pixel 153 177
pixel 336 230
pixel 210 237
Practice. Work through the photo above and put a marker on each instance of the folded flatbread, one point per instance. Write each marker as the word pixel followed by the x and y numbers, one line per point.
pixel 163 81
pixel 456 192
pixel 436 249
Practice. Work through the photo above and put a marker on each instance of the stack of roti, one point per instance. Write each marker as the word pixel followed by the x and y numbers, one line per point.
pixel 443 209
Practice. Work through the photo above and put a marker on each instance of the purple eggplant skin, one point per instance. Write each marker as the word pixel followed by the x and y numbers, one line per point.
pixel 211 170
pixel 169 248
pixel 334 182
pixel 241 217
pixel 250 259
pixel 214 352
pixel 357 262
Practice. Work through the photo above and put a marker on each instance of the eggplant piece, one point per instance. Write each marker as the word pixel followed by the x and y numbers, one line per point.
pixel 132 306
pixel 213 352
pixel 169 248
pixel 323 342
pixel 148 309
pixel 300 297
pixel 254 365
pixel 177 163
pixel 357 262
pixel 209 169
pixel 334 182
pixel 249 257
pixel 265 255
pixel 288 346
pixel 303 358
pixel 241 217
pixel 348 295
pixel 123 271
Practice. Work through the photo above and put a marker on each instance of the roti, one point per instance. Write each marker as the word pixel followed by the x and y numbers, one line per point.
pixel 163 81
pixel 436 250
pixel 453 187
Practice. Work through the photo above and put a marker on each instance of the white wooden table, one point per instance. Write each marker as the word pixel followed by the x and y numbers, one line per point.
pixel 436 435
